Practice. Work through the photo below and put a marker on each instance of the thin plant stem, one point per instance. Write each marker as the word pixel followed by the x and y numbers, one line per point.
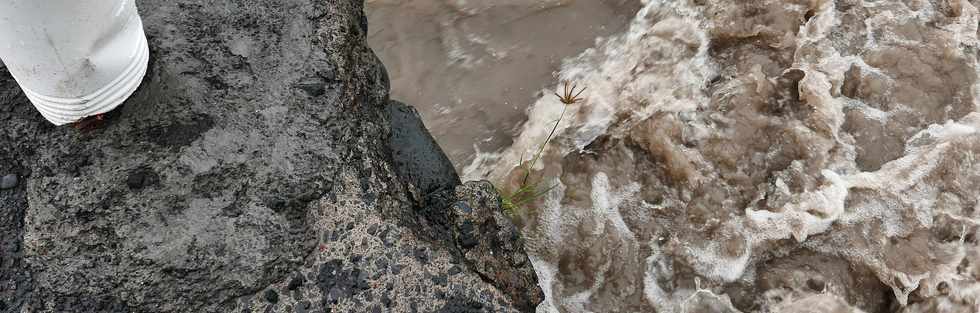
pixel 537 156
pixel 528 191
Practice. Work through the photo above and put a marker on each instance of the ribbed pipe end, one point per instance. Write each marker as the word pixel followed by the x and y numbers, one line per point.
pixel 61 111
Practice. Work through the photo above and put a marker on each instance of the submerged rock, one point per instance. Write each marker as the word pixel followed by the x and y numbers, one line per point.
pixel 228 177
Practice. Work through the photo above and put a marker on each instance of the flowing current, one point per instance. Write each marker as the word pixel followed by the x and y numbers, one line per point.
pixel 730 156
pixel 472 68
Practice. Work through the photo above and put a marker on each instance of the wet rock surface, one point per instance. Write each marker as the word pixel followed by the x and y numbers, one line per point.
pixel 764 156
pixel 418 158
pixel 491 245
pixel 252 171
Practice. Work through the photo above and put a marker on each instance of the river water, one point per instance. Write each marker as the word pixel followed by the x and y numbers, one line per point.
pixel 729 156
pixel 472 68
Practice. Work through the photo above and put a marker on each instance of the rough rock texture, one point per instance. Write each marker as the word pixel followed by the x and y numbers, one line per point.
pixel 774 156
pixel 251 171
pixel 491 244
pixel 15 279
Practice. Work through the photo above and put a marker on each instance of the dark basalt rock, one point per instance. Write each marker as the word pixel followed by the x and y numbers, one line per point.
pixel 469 213
pixel 231 174
pixel 418 158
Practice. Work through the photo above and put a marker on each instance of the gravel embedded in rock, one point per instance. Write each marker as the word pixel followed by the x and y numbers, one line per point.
pixel 302 307
pixel 454 270
pixel 271 295
pixel 8 181
pixel 141 178
pixel 296 282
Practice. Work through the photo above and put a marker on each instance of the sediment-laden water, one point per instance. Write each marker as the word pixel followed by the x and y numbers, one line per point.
pixel 774 156
pixel 472 68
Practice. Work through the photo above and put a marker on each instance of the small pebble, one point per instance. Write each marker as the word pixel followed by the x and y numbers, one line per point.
pixel 296 282
pixel 422 255
pixel 464 207
pixel 386 300
pixel 272 296
pixel 8 181
pixel 381 263
pixel 303 306
pixel 362 281
pixel 454 270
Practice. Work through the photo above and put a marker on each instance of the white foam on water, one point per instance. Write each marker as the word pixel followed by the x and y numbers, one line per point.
pixel 648 69
pixel 661 65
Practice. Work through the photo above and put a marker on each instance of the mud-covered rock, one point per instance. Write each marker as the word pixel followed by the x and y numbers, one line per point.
pixel 252 171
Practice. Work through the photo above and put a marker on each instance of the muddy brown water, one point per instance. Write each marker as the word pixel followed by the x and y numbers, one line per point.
pixel 472 68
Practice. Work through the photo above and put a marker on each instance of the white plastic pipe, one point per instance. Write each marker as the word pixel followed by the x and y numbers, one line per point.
pixel 73 58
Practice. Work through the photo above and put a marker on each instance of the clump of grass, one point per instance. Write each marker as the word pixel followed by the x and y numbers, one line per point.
pixel 529 189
